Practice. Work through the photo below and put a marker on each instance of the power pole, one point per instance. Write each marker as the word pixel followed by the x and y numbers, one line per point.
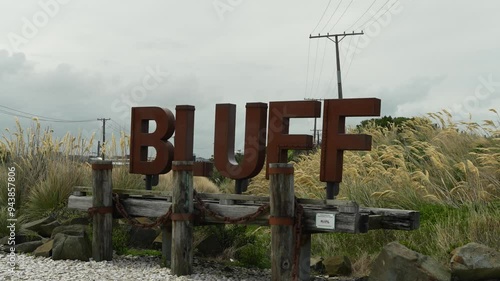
pixel 333 188
pixel 338 38
pixel 103 132
pixel 315 139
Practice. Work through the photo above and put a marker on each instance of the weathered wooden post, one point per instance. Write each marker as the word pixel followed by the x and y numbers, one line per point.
pixel 182 216
pixel 102 210
pixel 166 245
pixel 281 220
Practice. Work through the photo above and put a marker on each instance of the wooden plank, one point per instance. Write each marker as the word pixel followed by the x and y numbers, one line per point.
pixel 393 218
pixel 102 248
pixel 344 222
pixel 141 192
pixel 182 230
pixel 282 238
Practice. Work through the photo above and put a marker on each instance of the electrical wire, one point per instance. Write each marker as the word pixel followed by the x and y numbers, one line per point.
pixel 324 12
pixel 371 5
pixel 43 118
pixel 349 5
pixel 352 58
pixel 122 128
pixel 321 69
pixel 314 71
pixel 388 9
pixel 307 71
pixel 335 11
pixel 383 5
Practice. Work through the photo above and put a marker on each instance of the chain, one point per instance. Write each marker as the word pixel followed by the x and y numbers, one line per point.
pixel 246 218
pixel 163 220
pixel 299 211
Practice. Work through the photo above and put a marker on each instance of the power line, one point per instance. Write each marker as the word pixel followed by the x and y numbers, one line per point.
pixel 347 29
pixel 120 126
pixel 321 69
pixel 307 71
pixel 349 5
pixel 43 118
pixel 352 58
pixel 383 5
pixel 336 8
pixel 388 9
pixel 314 70
pixel 324 12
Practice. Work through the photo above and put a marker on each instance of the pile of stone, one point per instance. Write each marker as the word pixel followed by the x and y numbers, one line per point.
pixel 472 262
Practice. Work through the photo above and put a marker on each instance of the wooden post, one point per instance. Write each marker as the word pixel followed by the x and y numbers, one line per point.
pixel 102 203
pixel 305 257
pixel 166 245
pixel 282 203
pixel 182 224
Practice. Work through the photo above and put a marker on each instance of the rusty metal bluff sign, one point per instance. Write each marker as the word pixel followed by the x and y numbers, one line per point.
pixel 263 123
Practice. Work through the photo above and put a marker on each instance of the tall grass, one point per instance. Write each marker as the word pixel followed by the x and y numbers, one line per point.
pixel 449 171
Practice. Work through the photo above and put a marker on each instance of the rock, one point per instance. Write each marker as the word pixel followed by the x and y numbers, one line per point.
pixel 4 240
pixel 142 237
pixel 317 265
pixel 28 247
pixel 36 225
pixel 74 230
pixel 82 220
pixel 396 262
pixel 45 250
pixel 475 262
pixel 69 247
pixel 211 246
pixel 337 266
pixel 46 229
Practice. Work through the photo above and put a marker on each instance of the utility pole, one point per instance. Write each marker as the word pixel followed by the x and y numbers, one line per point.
pixel 333 188
pixel 315 139
pixel 338 38
pixel 103 133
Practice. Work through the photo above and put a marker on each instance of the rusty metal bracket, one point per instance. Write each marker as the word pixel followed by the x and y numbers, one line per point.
pixel 182 217
pixel 100 210
pixel 289 221
pixel 98 167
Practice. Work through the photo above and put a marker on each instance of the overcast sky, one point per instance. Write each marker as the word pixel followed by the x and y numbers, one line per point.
pixel 83 60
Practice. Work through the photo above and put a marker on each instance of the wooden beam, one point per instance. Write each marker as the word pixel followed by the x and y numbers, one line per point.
pixel 344 222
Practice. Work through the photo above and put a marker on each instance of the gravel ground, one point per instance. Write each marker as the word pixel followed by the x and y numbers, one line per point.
pixel 122 268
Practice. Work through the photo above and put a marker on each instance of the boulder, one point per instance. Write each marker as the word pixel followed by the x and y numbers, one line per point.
pixel 337 266
pixel 28 247
pixel 73 230
pixel 475 262
pixel 46 229
pixel 69 247
pixel 211 246
pixel 142 238
pixel 396 262
pixel 35 225
pixel 45 250
pixel 317 265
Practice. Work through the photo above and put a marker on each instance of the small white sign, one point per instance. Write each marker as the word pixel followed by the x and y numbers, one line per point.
pixel 325 221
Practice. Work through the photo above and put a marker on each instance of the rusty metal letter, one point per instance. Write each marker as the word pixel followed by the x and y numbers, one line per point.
pixel 255 140
pixel 279 141
pixel 184 133
pixel 335 140
pixel 141 139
